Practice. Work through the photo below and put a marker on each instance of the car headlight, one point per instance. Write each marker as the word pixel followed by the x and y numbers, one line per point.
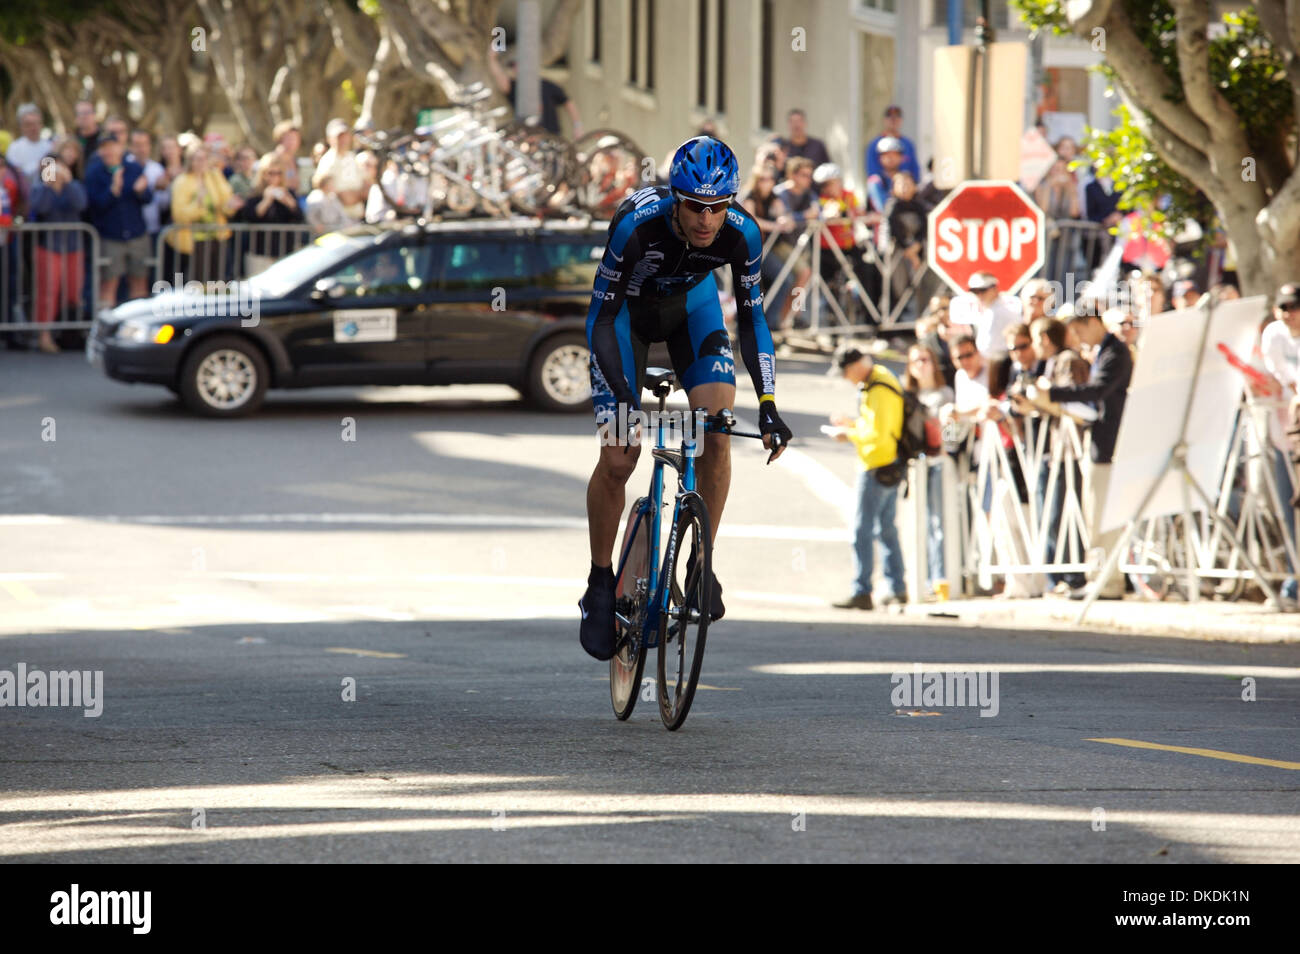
pixel 134 331
pixel 141 332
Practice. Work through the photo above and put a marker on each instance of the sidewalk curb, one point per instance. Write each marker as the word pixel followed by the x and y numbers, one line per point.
pixel 1226 622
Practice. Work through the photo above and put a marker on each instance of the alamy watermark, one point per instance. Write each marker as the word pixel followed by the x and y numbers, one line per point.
pixel 35 688
pixel 75 907
pixel 623 426
pixel 234 299
pixel 943 689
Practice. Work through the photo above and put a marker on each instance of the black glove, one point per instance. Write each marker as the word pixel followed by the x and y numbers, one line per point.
pixel 769 422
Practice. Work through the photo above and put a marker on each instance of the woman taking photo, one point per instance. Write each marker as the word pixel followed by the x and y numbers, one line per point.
pixel 270 203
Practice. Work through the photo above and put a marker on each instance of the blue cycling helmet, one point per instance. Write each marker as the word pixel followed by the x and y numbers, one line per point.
pixel 705 167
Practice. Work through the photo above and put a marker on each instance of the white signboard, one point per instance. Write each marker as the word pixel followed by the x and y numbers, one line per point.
pixel 1158 397
pixel 370 324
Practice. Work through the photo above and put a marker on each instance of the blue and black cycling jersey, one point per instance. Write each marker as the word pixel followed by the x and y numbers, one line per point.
pixel 653 286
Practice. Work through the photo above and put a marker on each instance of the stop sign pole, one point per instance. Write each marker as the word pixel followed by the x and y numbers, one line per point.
pixel 986 226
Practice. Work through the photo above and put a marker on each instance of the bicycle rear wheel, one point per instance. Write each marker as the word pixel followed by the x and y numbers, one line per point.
pixel 685 623
pixel 631 596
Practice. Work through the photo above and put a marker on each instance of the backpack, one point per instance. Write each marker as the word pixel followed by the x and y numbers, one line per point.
pixel 913 440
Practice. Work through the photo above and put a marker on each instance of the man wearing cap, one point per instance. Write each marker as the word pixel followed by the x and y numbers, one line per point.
pixel 874 434
pixel 985 311
pixel 893 129
pixel 1280 346
pixel 799 143
pixel 117 191
pixel 340 164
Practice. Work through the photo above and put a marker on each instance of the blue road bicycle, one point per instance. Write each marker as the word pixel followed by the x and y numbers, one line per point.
pixel 666 605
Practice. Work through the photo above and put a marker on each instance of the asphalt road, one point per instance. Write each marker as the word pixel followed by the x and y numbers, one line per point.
pixel 234 581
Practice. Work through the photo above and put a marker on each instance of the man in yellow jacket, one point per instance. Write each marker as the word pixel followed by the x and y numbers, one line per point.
pixel 874 434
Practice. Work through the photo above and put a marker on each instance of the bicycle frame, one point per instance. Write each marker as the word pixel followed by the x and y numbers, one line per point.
pixel 653 510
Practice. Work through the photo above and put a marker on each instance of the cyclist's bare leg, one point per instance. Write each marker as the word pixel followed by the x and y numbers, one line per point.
pixel 713 467
pixel 606 498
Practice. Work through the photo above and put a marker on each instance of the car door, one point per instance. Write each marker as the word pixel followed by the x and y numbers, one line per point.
pixel 372 324
pixel 480 325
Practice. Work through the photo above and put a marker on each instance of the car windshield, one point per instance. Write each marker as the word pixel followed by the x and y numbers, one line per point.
pixel 306 263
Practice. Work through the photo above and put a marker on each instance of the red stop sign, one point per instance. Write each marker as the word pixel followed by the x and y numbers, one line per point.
pixel 986 227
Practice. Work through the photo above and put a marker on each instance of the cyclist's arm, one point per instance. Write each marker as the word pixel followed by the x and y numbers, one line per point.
pixel 755 339
pixel 607 298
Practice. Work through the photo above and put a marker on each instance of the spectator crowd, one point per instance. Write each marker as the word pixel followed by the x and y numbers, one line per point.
pixel 129 185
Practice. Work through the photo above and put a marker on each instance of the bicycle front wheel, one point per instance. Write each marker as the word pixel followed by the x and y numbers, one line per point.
pixel 631 596
pixel 685 622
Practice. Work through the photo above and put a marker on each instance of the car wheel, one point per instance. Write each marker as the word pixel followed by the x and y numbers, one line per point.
pixel 559 377
pixel 224 376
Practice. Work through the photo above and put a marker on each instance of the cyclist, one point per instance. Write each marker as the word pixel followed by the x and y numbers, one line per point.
pixel 655 283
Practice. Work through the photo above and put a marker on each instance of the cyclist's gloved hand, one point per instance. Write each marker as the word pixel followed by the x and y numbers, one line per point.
pixel 770 423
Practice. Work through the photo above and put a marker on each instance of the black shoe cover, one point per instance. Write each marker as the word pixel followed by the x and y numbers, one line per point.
pixel 597 605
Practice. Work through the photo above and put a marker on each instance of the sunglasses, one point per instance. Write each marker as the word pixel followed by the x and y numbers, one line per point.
pixel 699 208
pixel 966 356
pixel 922 359
pixel 1021 346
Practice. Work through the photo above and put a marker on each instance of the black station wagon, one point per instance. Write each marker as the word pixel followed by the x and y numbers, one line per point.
pixel 501 302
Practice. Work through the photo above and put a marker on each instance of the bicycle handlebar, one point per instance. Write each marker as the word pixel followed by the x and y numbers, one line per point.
pixel 723 423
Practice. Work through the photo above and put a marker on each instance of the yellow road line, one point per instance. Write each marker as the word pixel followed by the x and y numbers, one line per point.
pixel 1207 753
pixel 373 653
pixel 701 685
pixel 19 591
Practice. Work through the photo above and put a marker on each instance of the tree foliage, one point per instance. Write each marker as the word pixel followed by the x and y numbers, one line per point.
pixel 1207 123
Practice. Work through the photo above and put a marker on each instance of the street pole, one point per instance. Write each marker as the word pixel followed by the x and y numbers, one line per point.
pixel 528 54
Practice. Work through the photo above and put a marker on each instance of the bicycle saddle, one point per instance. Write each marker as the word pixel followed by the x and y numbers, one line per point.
pixel 659 381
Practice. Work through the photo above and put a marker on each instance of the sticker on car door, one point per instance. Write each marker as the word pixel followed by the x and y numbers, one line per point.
pixel 377 324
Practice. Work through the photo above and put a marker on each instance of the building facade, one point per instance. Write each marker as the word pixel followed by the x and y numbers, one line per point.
pixel 656 69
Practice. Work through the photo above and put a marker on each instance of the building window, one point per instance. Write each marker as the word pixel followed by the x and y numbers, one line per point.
pixel 634 39
pixel 766 56
pixel 641 58
pixel 970 10
pixel 721 65
pixel 595 30
pixel 649 82
pixel 702 57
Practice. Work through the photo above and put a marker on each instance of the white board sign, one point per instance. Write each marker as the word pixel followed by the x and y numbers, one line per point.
pixel 1158 396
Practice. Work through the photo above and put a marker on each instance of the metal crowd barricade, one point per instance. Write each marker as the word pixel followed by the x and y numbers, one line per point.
pixel 1164 547
pixel 1075 249
pixel 900 286
pixel 1010 536
pixel 230 252
pixel 996 534
pixel 36 282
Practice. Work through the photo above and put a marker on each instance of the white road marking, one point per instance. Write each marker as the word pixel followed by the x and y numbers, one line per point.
pixel 507 521
pixel 835 668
